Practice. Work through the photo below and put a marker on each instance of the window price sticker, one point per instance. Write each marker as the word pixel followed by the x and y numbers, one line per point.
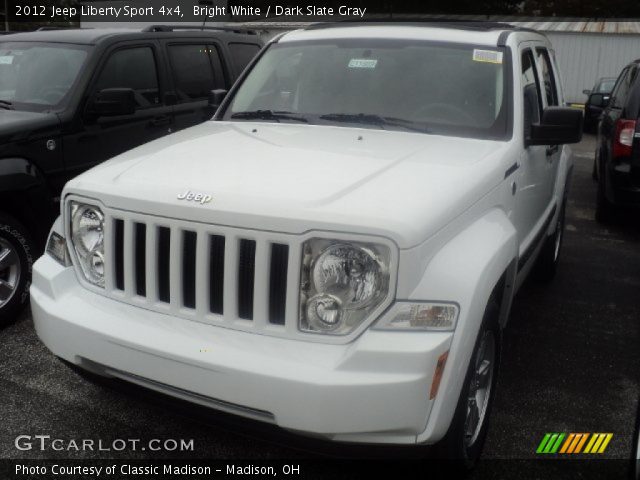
pixel 362 63
pixel 487 56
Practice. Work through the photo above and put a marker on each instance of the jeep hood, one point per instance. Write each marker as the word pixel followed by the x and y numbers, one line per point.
pixel 297 178
pixel 17 125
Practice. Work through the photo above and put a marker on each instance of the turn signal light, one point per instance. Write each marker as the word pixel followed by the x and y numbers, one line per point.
pixel 437 376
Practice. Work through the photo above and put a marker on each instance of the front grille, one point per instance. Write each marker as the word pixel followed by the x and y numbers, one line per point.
pixel 219 275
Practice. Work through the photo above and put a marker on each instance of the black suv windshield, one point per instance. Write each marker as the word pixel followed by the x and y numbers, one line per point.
pixel 38 76
pixel 458 90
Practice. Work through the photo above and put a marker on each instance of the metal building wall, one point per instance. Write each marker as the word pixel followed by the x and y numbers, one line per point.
pixel 584 57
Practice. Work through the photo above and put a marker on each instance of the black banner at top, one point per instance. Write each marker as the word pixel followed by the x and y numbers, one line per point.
pixel 195 11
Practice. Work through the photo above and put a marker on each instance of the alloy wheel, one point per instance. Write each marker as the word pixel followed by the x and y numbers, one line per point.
pixel 480 388
pixel 9 271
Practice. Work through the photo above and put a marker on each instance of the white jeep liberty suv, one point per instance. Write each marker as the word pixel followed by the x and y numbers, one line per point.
pixel 336 252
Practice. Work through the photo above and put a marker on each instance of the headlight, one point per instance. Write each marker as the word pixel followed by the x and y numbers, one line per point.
pixel 87 239
pixel 342 283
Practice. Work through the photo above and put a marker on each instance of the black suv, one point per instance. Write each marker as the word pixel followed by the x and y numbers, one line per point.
pixel 617 159
pixel 70 99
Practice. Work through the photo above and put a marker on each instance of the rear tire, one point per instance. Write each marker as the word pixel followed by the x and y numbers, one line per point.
pixel 16 262
pixel 468 430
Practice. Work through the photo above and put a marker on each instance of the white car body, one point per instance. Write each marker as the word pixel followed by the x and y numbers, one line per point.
pixel 458 215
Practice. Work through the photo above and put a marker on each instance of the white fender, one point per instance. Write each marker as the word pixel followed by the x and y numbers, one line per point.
pixel 465 271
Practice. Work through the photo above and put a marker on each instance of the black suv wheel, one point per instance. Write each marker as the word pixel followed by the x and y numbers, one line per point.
pixel 16 260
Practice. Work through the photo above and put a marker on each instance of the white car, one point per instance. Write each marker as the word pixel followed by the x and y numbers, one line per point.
pixel 337 251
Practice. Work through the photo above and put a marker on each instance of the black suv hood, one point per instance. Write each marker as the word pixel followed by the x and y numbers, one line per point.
pixel 15 124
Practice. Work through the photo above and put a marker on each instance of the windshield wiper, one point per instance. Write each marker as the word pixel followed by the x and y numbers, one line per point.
pixel 372 119
pixel 7 105
pixel 269 115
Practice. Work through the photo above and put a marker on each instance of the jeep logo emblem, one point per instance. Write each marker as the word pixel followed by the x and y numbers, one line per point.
pixel 190 196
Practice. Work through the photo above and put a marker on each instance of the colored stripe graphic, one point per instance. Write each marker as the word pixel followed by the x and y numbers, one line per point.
pixel 543 443
pixel 605 443
pixel 550 443
pixel 573 443
pixel 583 439
pixel 567 442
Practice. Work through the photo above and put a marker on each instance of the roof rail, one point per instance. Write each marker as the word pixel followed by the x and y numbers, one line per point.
pixel 172 28
pixel 474 25
pixel 53 27
pixel 478 25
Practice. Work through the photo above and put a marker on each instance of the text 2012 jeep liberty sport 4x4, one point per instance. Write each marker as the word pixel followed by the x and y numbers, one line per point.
pixel 344 263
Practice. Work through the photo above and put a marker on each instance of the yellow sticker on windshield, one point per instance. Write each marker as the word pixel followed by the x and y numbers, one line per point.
pixel 487 56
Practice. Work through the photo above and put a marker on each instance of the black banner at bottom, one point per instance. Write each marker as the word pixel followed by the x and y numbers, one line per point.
pixel 303 469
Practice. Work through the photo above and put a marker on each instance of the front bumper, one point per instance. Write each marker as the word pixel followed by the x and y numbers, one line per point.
pixel 374 389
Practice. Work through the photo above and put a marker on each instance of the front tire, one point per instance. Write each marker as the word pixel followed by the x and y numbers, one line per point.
pixel 467 433
pixel 16 262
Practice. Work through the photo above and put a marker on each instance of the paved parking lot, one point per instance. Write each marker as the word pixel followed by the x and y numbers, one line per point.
pixel 571 363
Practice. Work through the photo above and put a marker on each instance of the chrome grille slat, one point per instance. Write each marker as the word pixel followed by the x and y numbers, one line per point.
pixel 129 266
pixel 293 282
pixel 151 262
pixel 202 273
pixel 175 269
pixel 261 282
pixel 109 252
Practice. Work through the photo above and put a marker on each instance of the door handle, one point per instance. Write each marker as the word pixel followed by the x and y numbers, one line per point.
pixel 551 150
pixel 160 120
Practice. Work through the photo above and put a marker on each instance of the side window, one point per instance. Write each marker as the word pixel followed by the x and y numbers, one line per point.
pixel 548 79
pixel 530 92
pixel 623 85
pixel 196 70
pixel 132 68
pixel 243 53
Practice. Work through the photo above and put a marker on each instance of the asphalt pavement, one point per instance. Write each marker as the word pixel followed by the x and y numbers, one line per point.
pixel 571 363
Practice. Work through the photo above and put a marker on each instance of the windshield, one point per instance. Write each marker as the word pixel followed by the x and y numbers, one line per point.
pixel 37 76
pixel 438 88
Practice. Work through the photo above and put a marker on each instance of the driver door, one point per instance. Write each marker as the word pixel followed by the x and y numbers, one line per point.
pixel 98 139
pixel 532 184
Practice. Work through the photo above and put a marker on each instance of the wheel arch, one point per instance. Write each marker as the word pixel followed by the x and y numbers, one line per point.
pixel 476 267
pixel 25 196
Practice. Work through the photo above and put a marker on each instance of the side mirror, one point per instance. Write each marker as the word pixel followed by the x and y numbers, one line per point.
pixel 586 92
pixel 216 97
pixel 114 101
pixel 559 126
pixel 599 99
